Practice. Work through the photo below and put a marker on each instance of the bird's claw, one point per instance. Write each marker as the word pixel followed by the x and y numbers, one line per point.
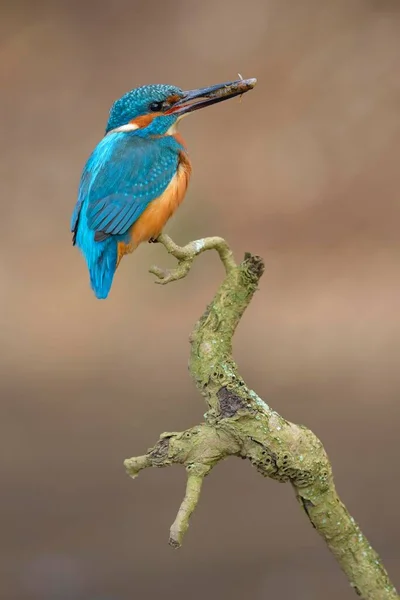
pixel 153 240
pixel 165 276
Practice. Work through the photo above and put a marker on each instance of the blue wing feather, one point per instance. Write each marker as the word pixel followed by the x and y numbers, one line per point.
pixel 137 172
pixel 122 176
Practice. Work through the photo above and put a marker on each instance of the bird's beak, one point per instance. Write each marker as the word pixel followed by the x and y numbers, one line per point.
pixel 195 99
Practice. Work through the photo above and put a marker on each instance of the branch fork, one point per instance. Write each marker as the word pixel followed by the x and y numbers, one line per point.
pixel 239 423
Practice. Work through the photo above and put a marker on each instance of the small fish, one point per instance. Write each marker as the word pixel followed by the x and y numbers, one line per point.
pixel 235 88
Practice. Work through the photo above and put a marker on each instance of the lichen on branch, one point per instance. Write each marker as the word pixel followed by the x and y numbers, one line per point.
pixel 239 423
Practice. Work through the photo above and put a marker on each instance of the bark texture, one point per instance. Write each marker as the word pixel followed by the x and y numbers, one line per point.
pixel 239 423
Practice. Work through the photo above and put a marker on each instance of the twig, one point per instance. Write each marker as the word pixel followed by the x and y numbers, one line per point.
pixel 196 474
pixel 186 255
pixel 239 423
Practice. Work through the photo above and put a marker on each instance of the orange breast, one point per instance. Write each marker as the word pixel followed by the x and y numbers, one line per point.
pixel 152 221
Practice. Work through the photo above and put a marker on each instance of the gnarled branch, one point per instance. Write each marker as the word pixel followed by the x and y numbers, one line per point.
pixel 239 423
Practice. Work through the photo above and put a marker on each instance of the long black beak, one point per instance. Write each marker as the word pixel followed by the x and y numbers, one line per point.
pixel 195 99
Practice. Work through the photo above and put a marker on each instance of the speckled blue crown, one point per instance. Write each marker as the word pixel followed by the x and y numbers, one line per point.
pixel 137 102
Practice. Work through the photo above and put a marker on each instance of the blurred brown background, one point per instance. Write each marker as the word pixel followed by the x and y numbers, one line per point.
pixel 305 171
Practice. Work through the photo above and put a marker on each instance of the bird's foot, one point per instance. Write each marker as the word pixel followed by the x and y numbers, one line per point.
pixel 185 256
pixel 153 240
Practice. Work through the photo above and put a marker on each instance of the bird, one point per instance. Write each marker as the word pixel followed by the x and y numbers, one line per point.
pixel 138 174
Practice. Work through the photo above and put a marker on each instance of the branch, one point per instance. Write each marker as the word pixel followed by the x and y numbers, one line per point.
pixel 197 472
pixel 239 423
pixel 186 255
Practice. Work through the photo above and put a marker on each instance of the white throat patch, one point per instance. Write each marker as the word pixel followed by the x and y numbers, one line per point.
pixel 127 127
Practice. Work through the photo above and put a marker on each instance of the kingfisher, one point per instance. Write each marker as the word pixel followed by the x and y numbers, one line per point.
pixel 138 174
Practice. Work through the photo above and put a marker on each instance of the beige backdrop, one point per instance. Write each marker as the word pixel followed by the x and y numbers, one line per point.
pixel 304 171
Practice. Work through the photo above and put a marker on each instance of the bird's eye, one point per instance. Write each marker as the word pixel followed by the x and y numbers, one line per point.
pixel 156 106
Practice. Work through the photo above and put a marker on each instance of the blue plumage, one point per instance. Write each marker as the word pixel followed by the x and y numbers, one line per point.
pixel 138 172
pixel 132 166
pixel 101 258
pixel 123 175
pixel 125 172
pixel 138 102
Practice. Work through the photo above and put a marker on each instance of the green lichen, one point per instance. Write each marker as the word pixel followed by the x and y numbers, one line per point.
pixel 239 423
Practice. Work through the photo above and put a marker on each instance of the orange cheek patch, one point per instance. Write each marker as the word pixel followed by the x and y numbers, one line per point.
pixel 145 120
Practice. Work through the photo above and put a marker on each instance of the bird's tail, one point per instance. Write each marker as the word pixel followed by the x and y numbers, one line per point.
pixel 101 256
pixel 102 264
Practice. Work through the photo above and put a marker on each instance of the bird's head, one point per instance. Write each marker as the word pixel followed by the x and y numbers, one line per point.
pixel 155 109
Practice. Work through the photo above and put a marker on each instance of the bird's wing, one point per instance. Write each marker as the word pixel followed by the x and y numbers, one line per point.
pixel 83 190
pixel 126 173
